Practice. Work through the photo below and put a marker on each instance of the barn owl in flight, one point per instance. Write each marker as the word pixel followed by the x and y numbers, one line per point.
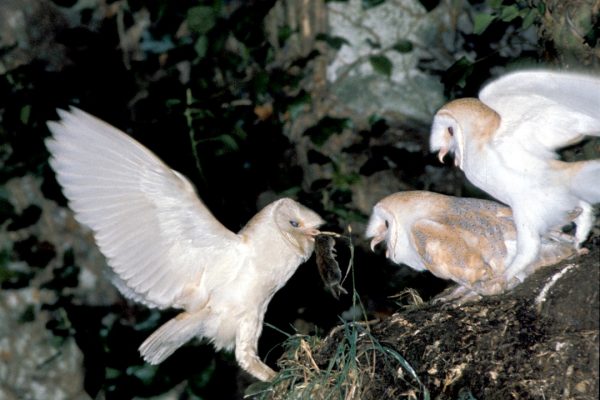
pixel 168 250
pixel 469 241
pixel 506 142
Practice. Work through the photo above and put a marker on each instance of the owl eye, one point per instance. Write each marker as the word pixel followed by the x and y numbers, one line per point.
pixel 387 224
pixel 451 131
pixel 293 223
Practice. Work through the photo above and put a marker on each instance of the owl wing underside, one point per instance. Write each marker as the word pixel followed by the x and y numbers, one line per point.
pixel 448 253
pixel 544 111
pixel 147 219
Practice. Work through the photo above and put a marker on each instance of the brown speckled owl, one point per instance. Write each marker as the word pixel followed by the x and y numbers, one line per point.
pixel 469 241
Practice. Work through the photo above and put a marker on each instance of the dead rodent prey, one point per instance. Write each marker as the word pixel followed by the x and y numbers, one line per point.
pixel 329 268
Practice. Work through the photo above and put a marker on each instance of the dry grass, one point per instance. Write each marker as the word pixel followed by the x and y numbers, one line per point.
pixel 347 364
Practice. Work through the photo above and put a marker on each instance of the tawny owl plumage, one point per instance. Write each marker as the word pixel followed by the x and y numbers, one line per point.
pixel 506 142
pixel 469 241
pixel 168 250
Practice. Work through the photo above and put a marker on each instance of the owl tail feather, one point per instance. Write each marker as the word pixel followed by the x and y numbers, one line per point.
pixel 170 336
pixel 585 182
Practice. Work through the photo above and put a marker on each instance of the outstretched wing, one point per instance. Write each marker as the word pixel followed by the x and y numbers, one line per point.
pixel 147 220
pixel 545 110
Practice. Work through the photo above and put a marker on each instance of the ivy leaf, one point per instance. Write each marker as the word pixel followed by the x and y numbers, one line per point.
pixel 529 18
pixel 326 127
pixel 25 114
pixel 228 144
pixel 201 19
pixel 284 33
pixel 335 42
pixel 144 373
pixel 509 13
pixel 201 46
pixel 458 72
pixel 482 21
pixel 374 44
pixel 381 64
pixel 403 46
pixel 541 7
pixel 299 105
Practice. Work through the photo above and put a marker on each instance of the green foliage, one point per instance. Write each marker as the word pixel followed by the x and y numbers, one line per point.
pixel 201 19
pixel 381 64
pixel 298 105
pixel 403 46
pixel 353 362
pixel 481 23
pixel 522 11
pixel 335 42
pixel 213 102
pixel 460 71
pixel 201 47
pixel 25 114
pixel 500 36
pixel 203 90
pixel 326 127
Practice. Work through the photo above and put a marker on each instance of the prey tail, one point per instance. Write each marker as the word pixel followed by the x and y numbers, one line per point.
pixel 585 180
pixel 170 336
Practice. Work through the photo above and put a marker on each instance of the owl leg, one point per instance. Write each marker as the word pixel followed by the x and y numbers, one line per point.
pixel 528 248
pixel 584 222
pixel 246 349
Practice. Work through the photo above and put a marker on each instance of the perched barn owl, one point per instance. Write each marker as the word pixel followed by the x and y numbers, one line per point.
pixel 505 143
pixel 469 241
pixel 168 250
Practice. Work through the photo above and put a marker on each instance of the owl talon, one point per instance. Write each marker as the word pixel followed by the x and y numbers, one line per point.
pixel 582 251
pixel 456 297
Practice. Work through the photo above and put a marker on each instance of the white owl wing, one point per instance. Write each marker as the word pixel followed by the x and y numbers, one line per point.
pixel 157 235
pixel 544 110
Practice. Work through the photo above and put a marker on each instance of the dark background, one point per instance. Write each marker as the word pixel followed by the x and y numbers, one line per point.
pixel 220 114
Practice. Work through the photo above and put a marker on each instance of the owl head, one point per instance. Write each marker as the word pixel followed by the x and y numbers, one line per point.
pixel 459 119
pixel 297 224
pixel 381 228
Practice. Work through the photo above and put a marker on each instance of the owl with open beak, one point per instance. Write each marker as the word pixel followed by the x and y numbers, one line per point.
pixel 506 141
pixel 165 247
pixel 468 241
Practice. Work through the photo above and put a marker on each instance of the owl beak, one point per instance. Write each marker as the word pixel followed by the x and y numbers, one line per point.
pixel 310 231
pixel 376 240
pixel 442 154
